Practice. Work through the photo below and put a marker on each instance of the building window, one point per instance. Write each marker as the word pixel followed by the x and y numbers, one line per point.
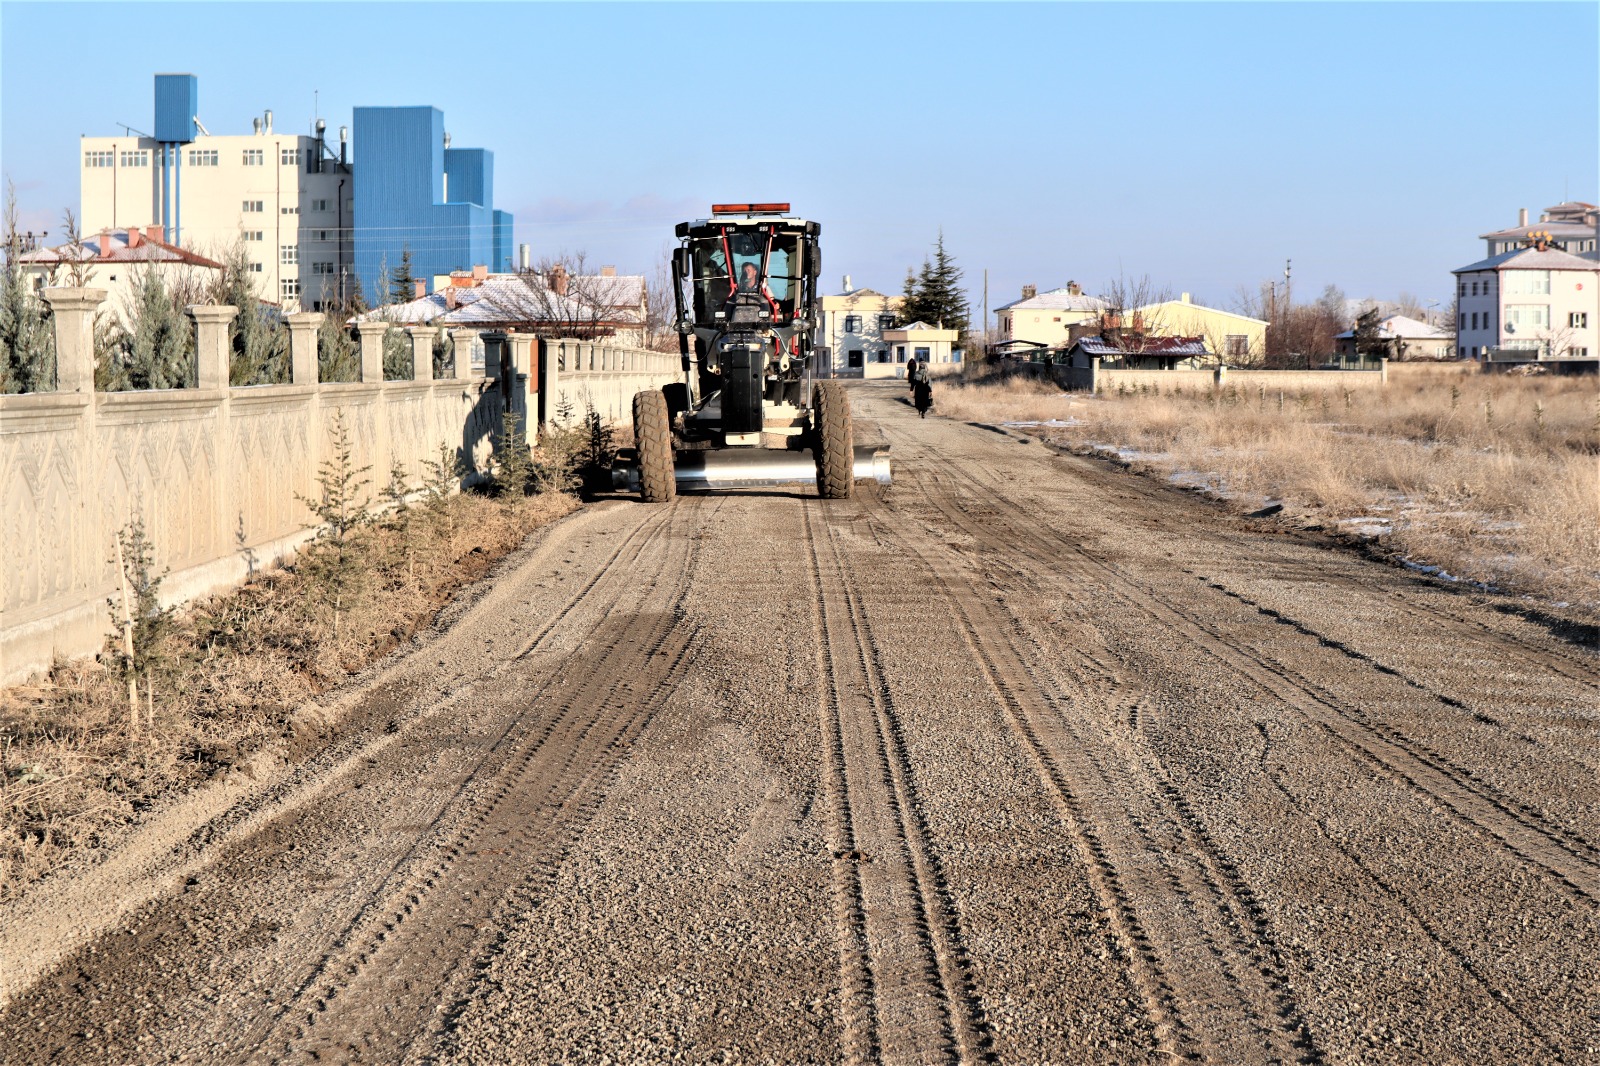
pixel 886 322
pixel 253 235
pixel 135 159
pixel 322 268
pixel 256 268
pixel 1521 317
pixel 1236 344
pixel 1526 283
pixel 900 353
pixel 324 235
pixel 1474 320
pixel 1578 320
pixel 1578 353
pixel 203 157
pixel 920 353
pixel 254 157
pixel 853 357
pixel 1463 323
pixel 1474 288
pixel 291 287
pixel 252 207
pixel 852 323
pixel 295 210
pixel 289 157
pixel 96 160
pixel 289 254
pixel 319 205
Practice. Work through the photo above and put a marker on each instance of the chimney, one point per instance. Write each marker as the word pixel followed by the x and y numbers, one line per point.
pixel 608 272
pixel 522 257
pixel 480 271
pixel 268 120
pixel 1522 217
pixel 1184 298
pixel 558 280
pixel 133 236
pixel 1074 289
pixel 1030 291
pixel 155 233
pixel 847 285
pixel 105 244
pixel 450 300
pixel 422 289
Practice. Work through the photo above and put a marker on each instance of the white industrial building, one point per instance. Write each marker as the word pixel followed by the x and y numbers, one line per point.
pixel 287 198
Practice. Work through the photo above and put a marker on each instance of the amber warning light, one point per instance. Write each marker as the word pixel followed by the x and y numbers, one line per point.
pixel 748 209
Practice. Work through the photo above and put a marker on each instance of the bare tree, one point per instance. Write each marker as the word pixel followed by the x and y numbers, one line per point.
pixel 1133 315
pixel 562 296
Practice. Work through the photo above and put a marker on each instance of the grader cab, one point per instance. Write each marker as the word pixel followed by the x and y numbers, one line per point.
pixel 750 410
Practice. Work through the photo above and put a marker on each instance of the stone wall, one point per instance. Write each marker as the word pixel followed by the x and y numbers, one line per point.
pixel 215 471
pixel 1096 378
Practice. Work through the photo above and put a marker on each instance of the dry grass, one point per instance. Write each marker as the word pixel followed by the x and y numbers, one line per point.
pixel 72 773
pixel 1494 478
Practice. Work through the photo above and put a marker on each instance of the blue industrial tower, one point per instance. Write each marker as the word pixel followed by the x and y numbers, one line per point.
pixel 414 192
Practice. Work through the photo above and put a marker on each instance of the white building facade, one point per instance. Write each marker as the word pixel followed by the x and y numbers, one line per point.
pixel 1538 300
pixel 851 325
pixel 285 198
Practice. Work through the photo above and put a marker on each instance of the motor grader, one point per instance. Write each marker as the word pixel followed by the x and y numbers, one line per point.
pixel 750 410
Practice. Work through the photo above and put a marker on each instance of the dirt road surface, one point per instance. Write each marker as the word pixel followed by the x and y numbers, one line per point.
pixel 1022 760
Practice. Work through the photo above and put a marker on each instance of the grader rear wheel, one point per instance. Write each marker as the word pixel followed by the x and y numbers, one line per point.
pixel 835 443
pixel 652 435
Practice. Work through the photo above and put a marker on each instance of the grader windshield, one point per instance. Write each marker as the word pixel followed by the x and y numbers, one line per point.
pixel 738 260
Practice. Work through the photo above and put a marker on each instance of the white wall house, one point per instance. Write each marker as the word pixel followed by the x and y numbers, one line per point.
pixel 286 197
pixel 852 325
pixel 113 260
pixel 1573 227
pixel 1536 299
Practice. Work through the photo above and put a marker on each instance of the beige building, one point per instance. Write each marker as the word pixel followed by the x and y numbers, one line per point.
pixel 1047 318
pixel 1408 339
pixel 919 341
pixel 852 325
pixel 1537 299
pixel 286 197
pixel 1227 335
pixel 112 260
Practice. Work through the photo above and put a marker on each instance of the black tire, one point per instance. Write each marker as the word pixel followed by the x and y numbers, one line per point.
pixel 835 441
pixel 652 438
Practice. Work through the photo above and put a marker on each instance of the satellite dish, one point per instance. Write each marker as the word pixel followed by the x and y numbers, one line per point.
pixel 1511 327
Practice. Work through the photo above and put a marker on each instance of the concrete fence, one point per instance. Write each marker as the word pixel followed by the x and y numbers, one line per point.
pixel 214 471
pixel 576 374
pixel 1092 377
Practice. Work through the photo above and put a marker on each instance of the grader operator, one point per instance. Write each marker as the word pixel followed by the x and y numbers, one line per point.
pixel 750 407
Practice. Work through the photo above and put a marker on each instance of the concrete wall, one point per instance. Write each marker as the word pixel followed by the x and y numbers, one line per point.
pixel 606 375
pixel 214 471
pixel 1095 378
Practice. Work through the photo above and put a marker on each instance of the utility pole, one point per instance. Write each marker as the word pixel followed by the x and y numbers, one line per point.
pixel 986 312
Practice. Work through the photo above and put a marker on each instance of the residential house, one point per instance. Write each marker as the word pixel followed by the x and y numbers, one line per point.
pixel 1232 337
pixel 113 260
pixel 1150 353
pixel 851 327
pixel 1406 338
pixel 1047 318
pixel 927 344
pixel 1572 227
pixel 556 304
pixel 1538 301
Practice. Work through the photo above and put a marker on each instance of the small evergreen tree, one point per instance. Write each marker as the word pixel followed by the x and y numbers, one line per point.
pixel 27 339
pixel 151 624
pixel 403 284
pixel 260 348
pixel 339 570
pixel 161 343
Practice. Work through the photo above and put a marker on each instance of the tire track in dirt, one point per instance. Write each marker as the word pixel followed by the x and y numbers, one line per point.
pixel 369 1001
pixel 906 996
pixel 265 825
pixel 1533 839
pixel 1207 967
pixel 1525 838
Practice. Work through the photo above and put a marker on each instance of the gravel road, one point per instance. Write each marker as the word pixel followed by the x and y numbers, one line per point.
pixel 1024 759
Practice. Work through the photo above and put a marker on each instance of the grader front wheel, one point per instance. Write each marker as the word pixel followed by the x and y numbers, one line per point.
pixel 652 435
pixel 835 443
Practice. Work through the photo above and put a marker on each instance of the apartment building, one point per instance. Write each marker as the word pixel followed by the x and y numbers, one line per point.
pixel 1572 227
pixel 285 199
pixel 1536 299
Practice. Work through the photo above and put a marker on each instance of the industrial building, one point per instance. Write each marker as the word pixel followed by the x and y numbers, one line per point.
pixel 309 221
pixel 417 194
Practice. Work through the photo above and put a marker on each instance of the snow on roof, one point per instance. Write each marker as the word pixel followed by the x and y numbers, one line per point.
pixel 1529 259
pixel 1057 300
pixel 1173 346
pixel 506 299
pixel 119 247
pixel 1403 328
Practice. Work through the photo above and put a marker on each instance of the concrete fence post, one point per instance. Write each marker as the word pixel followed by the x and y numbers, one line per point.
pixel 422 351
pixel 1219 376
pixel 551 353
pixel 72 311
pixel 372 349
pixel 1383 371
pixel 211 348
pixel 303 328
pixel 522 374
pixel 461 340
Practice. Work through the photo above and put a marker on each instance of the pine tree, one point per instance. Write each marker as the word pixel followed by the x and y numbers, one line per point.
pixel 260 352
pixel 403 285
pixel 161 346
pixel 27 342
pixel 935 295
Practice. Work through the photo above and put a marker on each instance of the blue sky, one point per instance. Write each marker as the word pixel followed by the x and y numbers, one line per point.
pixel 1201 144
